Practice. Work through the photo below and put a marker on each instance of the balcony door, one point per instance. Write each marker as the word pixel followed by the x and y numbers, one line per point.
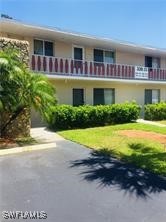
pixel 78 97
pixel 78 56
pixel 152 62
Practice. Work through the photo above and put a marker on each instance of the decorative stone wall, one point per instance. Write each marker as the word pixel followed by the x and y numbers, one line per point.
pixel 20 127
pixel 22 46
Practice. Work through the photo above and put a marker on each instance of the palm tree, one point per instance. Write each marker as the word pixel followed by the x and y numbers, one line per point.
pixel 21 89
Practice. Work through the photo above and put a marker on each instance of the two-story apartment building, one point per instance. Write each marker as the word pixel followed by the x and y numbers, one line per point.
pixel 90 70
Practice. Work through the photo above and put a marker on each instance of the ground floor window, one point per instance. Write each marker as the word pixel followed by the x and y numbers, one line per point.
pixel 78 97
pixel 152 96
pixel 103 96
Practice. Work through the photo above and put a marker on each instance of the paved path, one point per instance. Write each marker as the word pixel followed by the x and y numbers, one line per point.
pixel 44 135
pixel 72 184
pixel 150 122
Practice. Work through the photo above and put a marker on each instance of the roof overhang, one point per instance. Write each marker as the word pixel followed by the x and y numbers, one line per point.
pixel 36 31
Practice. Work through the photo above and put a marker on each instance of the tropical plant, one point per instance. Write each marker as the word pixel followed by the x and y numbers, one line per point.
pixel 22 89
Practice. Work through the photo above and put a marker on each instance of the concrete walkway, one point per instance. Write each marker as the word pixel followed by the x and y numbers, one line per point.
pixel 150 122
pixel 44 135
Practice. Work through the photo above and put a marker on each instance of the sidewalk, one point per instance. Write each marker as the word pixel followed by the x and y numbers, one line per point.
pixel 150 123
pixel 45 139
pixel 44 135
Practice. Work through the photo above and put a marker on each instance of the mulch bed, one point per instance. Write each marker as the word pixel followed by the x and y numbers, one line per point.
pixel 7 143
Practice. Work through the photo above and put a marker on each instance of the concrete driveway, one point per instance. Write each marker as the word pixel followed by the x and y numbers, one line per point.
pixel 73 184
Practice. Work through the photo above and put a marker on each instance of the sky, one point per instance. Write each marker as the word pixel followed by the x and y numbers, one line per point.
pixel 137 21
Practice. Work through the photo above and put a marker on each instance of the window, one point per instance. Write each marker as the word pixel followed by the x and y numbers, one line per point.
pixel 78 57
pixel 152 62
pixel 38 47
pixel 78 97
pixel 152 96
pixel 104 56
pixel 78 53
pixel 98 55
pixel 103 96
pixel 42 47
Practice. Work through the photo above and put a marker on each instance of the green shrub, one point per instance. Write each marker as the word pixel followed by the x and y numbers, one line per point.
pixel 155 111
pixel 68 117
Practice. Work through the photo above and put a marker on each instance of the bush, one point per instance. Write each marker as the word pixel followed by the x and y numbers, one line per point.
pixel 69 117
pixel 155 111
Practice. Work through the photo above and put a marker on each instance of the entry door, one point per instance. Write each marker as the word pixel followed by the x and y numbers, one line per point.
pixel 78 97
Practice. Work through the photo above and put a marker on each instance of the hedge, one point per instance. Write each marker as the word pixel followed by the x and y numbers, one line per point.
pixel 155 111
pixel 69 117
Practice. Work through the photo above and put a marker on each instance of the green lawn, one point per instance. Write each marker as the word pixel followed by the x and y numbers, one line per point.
pixel 145 153
pixel 162 122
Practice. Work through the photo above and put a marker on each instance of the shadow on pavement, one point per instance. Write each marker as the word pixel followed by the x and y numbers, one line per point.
pixel 108 171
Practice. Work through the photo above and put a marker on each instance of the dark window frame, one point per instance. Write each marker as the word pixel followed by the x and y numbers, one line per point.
pixel 98 61
pixel 101 98
pixel 44 47
pixel 149 92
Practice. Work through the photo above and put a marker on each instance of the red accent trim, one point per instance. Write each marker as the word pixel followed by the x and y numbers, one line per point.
pixel 81 68
pixel 103 69
pixel 99 70
pixel 33 62
pixel 160 74
pixel 56 65
pixel 118 70
pixel 50 64
pixel 112 70
pixel 72 66
pixel 76 66
pixel 38 63
pixel 86 67
pixel 126 71
pixel 115 74
pixel 44 64
pixel 155 74
pixel 108 70
pixel 95 69
pixel 133 71
pixel 122 71
pixel 91 69
pixel 129 71
pixel 61 65
pixel 66 66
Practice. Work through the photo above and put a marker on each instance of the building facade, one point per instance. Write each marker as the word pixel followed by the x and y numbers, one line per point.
pixel 90 70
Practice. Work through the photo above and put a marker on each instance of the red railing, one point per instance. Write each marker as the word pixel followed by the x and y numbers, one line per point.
pixel 64 66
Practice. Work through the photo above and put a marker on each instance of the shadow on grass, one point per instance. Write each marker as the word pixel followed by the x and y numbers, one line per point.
pixel 147 157
pixel 108 171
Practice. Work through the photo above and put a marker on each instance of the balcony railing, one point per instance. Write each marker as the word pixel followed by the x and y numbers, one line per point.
pixel 70 67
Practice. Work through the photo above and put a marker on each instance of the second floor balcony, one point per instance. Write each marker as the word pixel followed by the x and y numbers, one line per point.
pixel 82 68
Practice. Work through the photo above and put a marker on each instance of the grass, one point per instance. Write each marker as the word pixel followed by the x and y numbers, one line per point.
pixel 144 153
pixel 162 122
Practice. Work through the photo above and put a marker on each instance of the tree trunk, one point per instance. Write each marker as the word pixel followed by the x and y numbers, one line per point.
pixel 14 125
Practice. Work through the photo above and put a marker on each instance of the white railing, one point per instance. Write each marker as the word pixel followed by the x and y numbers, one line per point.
pixel 66 66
